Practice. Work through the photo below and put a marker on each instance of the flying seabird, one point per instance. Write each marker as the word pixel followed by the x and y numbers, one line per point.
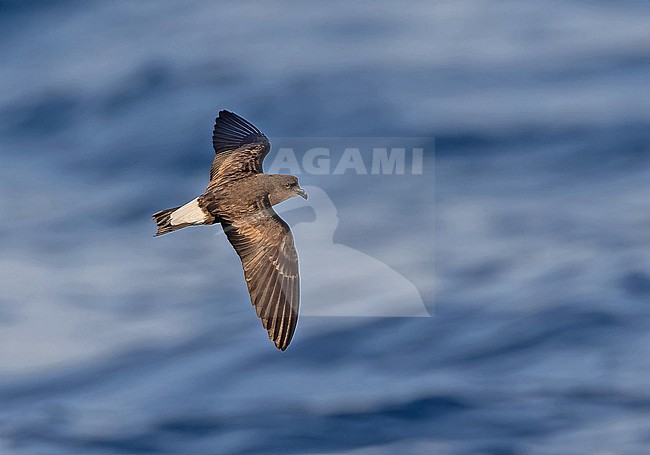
pixel 241 198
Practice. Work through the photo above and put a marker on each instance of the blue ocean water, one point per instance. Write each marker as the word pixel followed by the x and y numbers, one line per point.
pixel 526 236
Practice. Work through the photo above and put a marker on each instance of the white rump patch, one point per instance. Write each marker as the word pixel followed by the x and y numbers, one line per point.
pixel 190 213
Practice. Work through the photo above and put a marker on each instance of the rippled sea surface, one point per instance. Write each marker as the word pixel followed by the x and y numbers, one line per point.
pixel 526 237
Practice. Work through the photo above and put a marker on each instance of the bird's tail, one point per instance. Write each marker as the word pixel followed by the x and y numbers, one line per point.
pixel 190 214
pixel 163 220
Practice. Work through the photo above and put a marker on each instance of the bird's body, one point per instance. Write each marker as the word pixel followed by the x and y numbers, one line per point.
pixel 241 197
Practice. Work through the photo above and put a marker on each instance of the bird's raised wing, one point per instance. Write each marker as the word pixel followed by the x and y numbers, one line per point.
pixel 239 148
pixel 265 245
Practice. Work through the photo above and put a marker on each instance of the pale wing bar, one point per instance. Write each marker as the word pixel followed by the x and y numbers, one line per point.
pixel 265 246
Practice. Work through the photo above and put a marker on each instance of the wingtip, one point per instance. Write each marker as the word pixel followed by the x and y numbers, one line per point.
pixel 232 131
pixel 280 343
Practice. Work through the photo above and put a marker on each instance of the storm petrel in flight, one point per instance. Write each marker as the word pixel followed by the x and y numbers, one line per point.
pixel 241 198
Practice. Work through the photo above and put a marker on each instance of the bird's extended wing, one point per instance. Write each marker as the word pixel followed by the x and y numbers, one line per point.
pixel 265 245
pixel 239 147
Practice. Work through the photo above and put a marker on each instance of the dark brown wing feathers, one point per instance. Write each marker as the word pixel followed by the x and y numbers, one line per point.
pixel 238 145
pixel 261 238
pixel 265 245
pixel 231 132
pixel 239 199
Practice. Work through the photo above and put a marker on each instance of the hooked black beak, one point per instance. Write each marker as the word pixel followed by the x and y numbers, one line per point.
pixel 300 192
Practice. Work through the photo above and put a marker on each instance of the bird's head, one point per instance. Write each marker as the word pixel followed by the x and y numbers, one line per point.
pixel 285 187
